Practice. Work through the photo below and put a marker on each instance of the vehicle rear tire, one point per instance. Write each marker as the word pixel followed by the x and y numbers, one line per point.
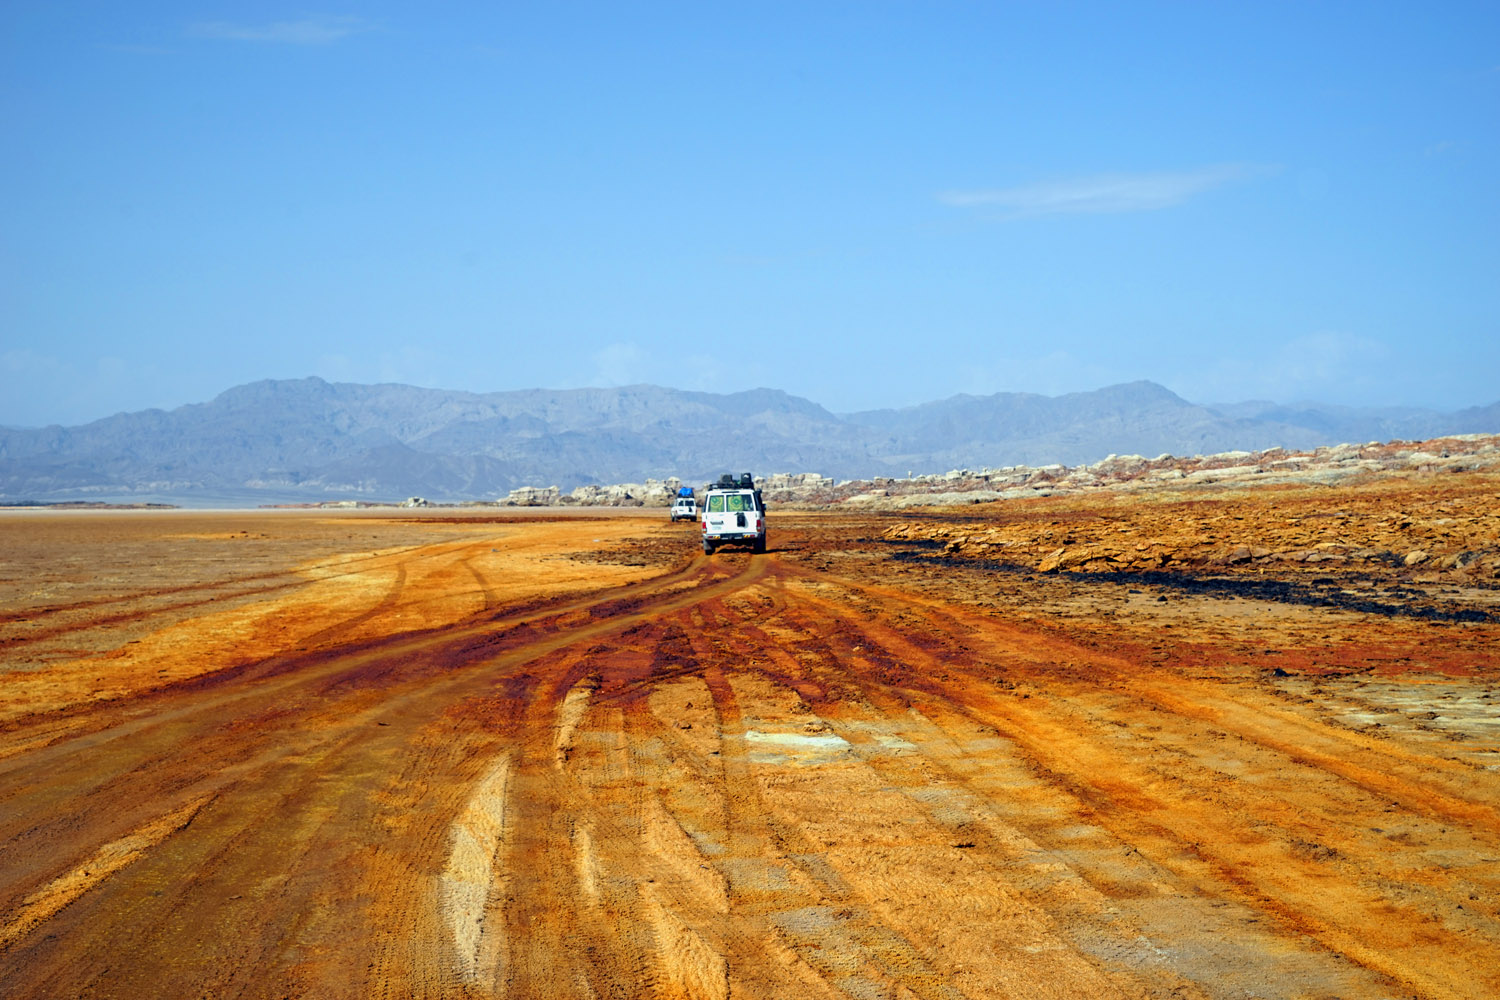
pixel 760 544
pixel 708 547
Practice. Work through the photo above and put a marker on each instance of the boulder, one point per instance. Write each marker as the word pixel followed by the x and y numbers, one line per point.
pixel 1078 557
pixel 1052 561
pixel 533 496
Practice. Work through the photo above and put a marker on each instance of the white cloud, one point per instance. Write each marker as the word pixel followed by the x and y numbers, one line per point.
pixel 705 373
pixel 307 31
pixel 337 368
pixel 1104 193
pixel 1330 358
pixel 617 364
pixel 411 364
pixel 1327 366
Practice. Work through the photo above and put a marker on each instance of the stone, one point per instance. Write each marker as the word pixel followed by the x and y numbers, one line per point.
pixel 533 496
pixel 1052 561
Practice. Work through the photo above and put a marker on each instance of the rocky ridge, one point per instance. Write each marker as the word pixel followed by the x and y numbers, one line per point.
pixel 1400 508
pixel 654 492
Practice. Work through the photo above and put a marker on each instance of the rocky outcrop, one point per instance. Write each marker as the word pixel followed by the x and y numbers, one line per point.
pixel 651 493
pixel 1195 521
pixel 1475 554
pixel 533 496
pixel 1131 473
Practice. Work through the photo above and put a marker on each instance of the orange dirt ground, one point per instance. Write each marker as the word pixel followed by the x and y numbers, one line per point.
pixel 470 754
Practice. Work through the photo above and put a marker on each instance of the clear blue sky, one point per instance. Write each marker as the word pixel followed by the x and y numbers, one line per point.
pixel 867 204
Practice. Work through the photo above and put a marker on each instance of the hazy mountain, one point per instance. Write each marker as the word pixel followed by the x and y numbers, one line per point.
pixel 1360 424
pixel 308 438
pixel 1020 428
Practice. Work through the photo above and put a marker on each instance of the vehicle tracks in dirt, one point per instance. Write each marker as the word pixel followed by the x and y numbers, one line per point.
pixel 745 777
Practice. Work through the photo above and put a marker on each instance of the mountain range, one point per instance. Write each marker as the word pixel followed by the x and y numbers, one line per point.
pixel 306 439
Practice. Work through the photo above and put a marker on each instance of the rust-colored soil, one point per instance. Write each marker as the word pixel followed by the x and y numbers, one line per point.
pixel 307 754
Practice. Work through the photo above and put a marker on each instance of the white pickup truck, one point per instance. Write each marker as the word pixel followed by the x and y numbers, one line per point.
pixel 734 513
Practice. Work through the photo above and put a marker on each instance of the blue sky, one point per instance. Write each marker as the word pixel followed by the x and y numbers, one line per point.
pixel 867 204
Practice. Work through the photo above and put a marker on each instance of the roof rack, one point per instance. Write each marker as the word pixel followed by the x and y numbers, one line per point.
pixel 728 481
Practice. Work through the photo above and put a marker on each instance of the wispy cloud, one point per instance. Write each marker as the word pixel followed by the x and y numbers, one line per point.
pixel 318 30
pixel 1331 366
pixel 1331 357
pixel 1104 193
pixel 138 50
pixel 618 364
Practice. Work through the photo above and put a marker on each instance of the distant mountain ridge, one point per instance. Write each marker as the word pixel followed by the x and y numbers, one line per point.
pixel 308 438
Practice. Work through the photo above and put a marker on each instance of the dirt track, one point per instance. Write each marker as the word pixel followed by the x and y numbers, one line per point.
pixel 264 756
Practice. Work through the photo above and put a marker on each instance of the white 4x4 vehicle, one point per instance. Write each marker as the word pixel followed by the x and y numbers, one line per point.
pixel 733 512
pixel 684 509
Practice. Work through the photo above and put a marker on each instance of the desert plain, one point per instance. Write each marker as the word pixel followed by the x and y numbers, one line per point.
pixel 1203 742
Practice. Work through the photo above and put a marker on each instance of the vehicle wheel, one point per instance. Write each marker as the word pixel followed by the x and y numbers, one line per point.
pixel 708 547
pixel 760 544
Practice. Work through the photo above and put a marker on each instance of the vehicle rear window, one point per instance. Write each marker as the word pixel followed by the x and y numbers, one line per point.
pixel 716 505
pixel 738 501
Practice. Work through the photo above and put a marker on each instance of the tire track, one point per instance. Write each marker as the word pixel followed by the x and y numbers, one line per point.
pixel 1204 846
pixel 475 876
pixel 1418 780
pixel 1024 954
pixel 276 677
pixel 299 579
pixel 43 904
pixel 739 778
pixel 140 743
